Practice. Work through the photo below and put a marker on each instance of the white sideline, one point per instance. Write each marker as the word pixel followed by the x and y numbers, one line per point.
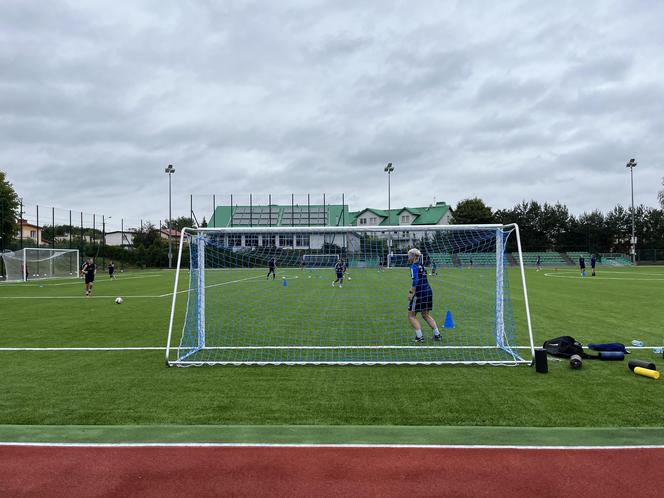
pixel 341 445
pixel 148 348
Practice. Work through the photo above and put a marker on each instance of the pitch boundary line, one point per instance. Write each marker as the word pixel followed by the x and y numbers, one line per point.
pixel 162 348
pixel 340 445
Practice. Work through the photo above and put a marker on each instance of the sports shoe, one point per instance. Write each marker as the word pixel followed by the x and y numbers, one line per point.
pixel 419 339
pixel 438 337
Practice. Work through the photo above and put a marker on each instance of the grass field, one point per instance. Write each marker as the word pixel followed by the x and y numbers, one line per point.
pixel 134 387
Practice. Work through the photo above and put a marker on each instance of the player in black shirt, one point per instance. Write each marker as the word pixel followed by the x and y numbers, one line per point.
pixel 271 269
pixel 89 269
pixel 111 270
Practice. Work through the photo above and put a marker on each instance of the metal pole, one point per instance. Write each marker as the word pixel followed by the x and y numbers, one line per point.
pixel 170 226
pixel 269 208
pixel 21 222
pixel 251 210
pixel 81 242
pixel 389 197
pixel 214 209
pixel 231 210
pixel 37 231
pixel 71 229
pixel 309 210
pixel 324 211
pixel 631 174
pixel 191 208
pixel 292 203
pixel 94 229
pixel 52 227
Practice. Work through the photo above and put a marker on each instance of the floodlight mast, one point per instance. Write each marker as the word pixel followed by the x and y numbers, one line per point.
pixel 169 170
pixel 388 169
pixel 631 164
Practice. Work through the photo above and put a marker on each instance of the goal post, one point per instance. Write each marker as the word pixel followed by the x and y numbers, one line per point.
pixel 234 311
pixel 36 263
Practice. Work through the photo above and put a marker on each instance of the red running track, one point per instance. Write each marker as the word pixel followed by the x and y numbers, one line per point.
pixel 327 471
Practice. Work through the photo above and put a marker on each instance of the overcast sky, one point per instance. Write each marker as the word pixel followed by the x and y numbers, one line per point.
pixel 502 100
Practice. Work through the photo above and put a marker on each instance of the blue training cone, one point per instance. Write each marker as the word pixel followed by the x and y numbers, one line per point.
pixel 285 283
pixel 449 322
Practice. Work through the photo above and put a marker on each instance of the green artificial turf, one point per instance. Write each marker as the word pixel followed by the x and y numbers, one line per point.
pixel 135 387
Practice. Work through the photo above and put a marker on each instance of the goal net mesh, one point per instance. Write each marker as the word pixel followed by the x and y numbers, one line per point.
pixel 39 263
pixel 234 310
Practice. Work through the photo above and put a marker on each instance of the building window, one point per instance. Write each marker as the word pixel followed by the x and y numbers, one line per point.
pixel 235 239
pixel 363 221
pixel 251 240
pixel 373 220
pixel 405 218
pixel 33 234
pixel 302 240
pixel 269 240
pixel 286 240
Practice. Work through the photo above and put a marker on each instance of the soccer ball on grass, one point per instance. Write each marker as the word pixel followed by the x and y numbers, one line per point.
pixel 119 300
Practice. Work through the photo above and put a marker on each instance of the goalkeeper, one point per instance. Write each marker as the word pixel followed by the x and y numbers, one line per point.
pixel 420 296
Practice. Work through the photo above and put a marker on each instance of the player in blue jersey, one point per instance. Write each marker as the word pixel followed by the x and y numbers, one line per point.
pixel 339 270
pixel 582 266
pixel 434 269
pixel 420 296
pixel 593 263
pixel 539 262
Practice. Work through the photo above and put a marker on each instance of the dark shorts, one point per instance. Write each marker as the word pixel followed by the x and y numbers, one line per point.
pixel 583 267
pixel 422 301
pixel 270 270
pixel 89 279
pixel 340 275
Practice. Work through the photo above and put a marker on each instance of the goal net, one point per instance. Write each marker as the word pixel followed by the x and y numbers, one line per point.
pixel 233 310
pixel 37 263
pixel 320 260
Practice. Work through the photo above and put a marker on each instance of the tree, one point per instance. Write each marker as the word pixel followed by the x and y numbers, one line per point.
pixel 660 196
pixel 471 212
pixel 9 204
pixel 180 223
pixel 147 236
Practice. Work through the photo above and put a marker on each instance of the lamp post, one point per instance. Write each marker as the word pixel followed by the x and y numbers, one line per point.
pixel 388 169
pixel 169 170
pixel 631 164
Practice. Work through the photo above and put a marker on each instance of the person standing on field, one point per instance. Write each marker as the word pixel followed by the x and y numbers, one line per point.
pixel 89 270
pixel 420 297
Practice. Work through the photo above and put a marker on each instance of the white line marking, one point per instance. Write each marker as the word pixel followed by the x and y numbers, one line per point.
pixel 128 348
pixel 331 445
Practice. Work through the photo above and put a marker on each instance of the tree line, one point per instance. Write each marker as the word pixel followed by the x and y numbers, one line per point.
pixel 551 227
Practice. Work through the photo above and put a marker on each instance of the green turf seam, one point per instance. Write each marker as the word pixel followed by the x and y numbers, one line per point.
pixel 309 434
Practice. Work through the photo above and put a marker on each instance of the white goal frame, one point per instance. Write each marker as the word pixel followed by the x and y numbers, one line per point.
pixel 25 261
pixel 200 278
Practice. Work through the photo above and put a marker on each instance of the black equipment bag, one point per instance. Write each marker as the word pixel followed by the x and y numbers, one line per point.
pixel 566 346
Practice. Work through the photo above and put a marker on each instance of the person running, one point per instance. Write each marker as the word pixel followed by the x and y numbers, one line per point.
pixel 89 270
pixel 539 262
pixel 582 266
pixel 111 270
pixel 271 268
pixel 339 269
pixel 593 263
pixel 420 297
pixel 434 269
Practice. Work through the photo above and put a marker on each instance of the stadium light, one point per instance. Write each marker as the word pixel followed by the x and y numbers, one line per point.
pixel 169 170
pixel 631 164
pixel 388 169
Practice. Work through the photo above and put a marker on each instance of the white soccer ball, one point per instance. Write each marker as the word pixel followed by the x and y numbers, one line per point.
pixel 118 300
pixel 350 278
